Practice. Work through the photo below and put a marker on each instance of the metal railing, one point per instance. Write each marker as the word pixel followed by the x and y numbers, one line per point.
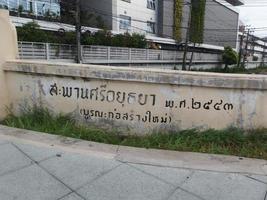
pixel 106 54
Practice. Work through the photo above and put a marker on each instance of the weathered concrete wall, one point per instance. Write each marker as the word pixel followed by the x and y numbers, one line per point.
pixel 8 50
pixel 140 101
pixel 130 100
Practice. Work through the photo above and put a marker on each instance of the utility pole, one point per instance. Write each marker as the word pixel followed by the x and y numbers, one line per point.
pixel 78 31
pixel 187 35
pixel 246 49
pixel 240 49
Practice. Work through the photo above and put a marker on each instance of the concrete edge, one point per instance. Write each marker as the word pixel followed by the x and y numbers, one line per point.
pixel 153 157
pixel 157 76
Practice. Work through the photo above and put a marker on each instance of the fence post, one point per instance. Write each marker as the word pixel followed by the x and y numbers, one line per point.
pixel 47 48
pixel 161 54
pixel 108 53
pixel 129 53
pixel 81 53
pixel 147 54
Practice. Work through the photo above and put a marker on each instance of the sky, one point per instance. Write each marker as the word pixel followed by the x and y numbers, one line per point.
pixel 254 13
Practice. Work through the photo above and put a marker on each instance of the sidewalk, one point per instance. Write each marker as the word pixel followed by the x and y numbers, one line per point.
pixel 37 166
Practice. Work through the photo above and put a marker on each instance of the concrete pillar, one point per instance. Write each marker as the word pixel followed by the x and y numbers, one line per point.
pixel 8 51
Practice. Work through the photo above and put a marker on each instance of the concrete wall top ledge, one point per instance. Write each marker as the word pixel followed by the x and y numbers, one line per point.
pixel 156 76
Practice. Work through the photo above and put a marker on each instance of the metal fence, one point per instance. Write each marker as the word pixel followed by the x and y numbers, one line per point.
pixel 46 51
pixel 106 54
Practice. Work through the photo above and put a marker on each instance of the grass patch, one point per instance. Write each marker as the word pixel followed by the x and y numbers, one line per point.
pixel 230 141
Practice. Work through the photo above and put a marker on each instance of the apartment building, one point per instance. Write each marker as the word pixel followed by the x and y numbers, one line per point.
pixel 32 7
pixel 139 16
pixel 220 23
pixel 156 18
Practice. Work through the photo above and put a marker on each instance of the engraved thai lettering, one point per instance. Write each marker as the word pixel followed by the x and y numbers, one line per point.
pixel 170 119
pixel 92 113
pixel 125 116
pixel 195 104
pixel 102 92
pixel 67 91
pixel 155 119
pixel 85 113
pixel 147 117
pixel 53 89
pixel 98 113
pixel 84 93
pixel 94 92
pixel 77 92
pixel 169 104
pixel 131 117
pixel 217 105
pixel 207 105
pixel 140 97
pixel 110 115
pixel 121 98
pixel 153 99
pixel 131 97
pixel 110 96
pixel 118 115
pixel 164 119
pixel 182 104
pixel 228 106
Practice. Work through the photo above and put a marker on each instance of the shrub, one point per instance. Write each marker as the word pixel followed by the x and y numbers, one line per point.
pixel 229 57
pixel 31 32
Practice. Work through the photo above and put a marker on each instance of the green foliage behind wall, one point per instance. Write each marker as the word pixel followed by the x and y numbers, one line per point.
pixel 178 13
pixel 197 21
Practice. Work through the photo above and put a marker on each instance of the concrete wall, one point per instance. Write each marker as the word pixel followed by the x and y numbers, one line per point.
pixel 8 50
pixel 137 100
pixel 131 101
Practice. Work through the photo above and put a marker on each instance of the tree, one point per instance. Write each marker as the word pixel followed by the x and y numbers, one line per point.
pixel 229 56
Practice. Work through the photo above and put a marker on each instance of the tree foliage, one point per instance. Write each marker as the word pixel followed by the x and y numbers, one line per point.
pixel 198 9
pixel 178 16
pixel 229 56
pixel 31 32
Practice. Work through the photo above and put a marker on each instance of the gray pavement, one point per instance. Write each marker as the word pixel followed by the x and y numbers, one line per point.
pixel 54 168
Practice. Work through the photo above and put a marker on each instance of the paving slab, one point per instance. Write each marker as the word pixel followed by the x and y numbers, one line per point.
pixel 183 195
pixel 3 142
pixel 60 142
pixel 75 170
pixel 259 178
pixel 11 159
pixel 125 182
pixel 31 183
pixel 224 186
pixel 38 153
pixel 171 175
pixel 71 196
pixel 189 160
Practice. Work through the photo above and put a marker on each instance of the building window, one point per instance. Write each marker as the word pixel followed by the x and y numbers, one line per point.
pixel 125 22
pixel 39 8
pixel 151 27
pixel 151 4
pixel 129 1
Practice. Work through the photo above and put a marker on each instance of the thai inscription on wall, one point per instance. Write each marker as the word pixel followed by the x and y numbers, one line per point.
pixel 133 105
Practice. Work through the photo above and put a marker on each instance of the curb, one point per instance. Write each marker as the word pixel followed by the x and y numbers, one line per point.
pixel 154 157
